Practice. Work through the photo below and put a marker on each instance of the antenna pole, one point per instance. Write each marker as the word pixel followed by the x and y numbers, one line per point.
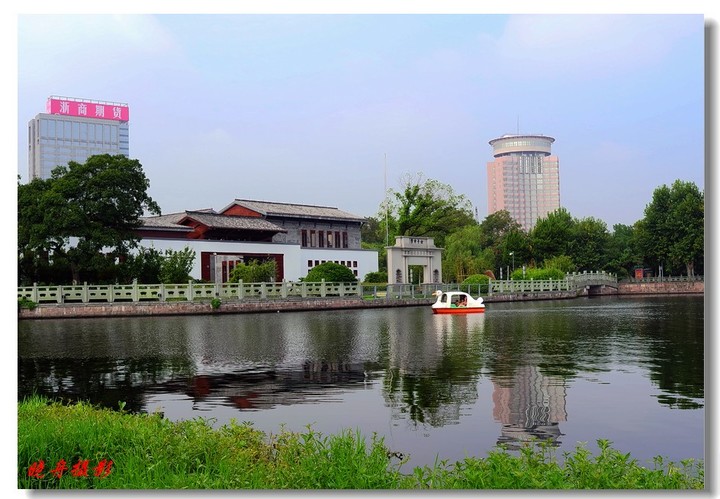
pixel 387 230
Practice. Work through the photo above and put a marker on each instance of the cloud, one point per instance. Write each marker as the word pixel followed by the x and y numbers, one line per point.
pixel 584 47
pixel 58 42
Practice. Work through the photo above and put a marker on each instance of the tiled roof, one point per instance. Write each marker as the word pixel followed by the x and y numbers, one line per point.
pixel 209 218
pixel 267 208
pixel 217 221
pixel 169 221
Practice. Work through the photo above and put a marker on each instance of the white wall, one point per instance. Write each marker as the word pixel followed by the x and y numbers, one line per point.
pixel 295 258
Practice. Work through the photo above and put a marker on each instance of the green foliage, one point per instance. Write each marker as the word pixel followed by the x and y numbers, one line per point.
pixel 176 266
pixel 464 254
pixel 151 452
pixel 552 236
pixel 562 263
pixel 376 277
pixel 98 204
pixel 589 244
pixel 542 274
pixel 428 208
pixel 622 253
pixel 330 272
pixel 672 232
pixel 254 271
pixel 26 303
pixel 476 279
pixel 145 266
pixel 215 303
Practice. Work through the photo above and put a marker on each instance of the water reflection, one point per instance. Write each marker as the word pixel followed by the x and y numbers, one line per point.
pixel 503 375
pixel 433 369
pixel 529 405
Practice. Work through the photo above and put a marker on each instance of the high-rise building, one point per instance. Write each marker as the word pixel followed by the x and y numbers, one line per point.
pixel 524 178
pixel 73 130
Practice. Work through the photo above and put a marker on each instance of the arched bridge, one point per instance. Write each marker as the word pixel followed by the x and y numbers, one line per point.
pixel 594 283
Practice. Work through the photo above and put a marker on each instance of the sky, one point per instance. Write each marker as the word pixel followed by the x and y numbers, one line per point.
pixel 332 109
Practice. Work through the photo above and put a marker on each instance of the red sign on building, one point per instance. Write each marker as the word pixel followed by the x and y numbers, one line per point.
pixel 88 109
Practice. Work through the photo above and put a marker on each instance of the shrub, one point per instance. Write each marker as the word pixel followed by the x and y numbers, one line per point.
pixel 476 279
pixel 376 277
pixel 253 271
pixel 27 303
pixel 538 274
pixel 330 272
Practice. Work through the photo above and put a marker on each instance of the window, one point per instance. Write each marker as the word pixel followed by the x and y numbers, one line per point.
pixel 344 240
pixel 330 239
pixel 313 239
pixel 304 238
pixel 321 238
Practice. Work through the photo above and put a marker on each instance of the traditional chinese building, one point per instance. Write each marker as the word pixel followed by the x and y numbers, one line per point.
pixel 73 130
pixel 297 237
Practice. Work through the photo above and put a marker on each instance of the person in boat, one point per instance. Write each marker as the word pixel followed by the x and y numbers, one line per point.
pixel 462 302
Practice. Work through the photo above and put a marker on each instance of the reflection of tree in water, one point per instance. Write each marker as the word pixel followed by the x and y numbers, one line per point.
pixel 433 369
pixel 677 364
pixel 100 381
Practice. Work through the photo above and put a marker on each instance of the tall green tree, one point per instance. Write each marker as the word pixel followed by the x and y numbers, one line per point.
pixel 464 254
pixel 506 239
pixel 622 255
pixel 589 244
pixel 429 208
pixel 552 235
pixel 85 214
pixel 672 233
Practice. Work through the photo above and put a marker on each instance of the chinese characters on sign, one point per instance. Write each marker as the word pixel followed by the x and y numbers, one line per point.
pixel 86 109
pixel 79 469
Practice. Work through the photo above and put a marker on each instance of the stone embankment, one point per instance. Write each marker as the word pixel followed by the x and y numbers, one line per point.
pixel 152 308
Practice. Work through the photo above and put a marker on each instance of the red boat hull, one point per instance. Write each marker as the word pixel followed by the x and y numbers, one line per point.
pixel 460 310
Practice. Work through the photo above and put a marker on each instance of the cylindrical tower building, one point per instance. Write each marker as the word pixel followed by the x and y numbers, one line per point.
pixel 524 178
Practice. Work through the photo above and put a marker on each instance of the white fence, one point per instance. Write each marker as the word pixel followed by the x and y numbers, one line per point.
pixel 192 291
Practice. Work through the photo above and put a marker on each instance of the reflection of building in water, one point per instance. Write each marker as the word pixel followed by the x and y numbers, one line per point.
pixel 265 389
pixel 529 405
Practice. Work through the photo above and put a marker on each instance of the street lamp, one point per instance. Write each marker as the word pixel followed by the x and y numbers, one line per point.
pixel 512 254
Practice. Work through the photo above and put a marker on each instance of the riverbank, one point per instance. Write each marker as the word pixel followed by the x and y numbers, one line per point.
pixel 295 304
pixel 80 447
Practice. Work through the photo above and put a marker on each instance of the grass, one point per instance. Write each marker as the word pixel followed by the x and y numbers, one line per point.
pixel 150 452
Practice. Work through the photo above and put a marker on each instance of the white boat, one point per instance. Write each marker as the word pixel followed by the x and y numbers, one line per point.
pixel 457 302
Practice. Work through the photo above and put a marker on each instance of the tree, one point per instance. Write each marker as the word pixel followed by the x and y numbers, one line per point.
pixel 506 238
pixel 176 266
pixel 496 227
pixel 562 263
pixel 622 255
pixel 85 214
pixel 551 236
pixel 428 208
pixel 145 266
pixel 330 272
pixel 464 254
pixel 672 232
pixel 589 244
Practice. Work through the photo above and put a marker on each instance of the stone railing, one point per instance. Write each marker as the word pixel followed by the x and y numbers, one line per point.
pixel 667 278
pixel 191 291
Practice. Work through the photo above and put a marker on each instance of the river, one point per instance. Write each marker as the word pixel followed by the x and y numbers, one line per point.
pixel 626 369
